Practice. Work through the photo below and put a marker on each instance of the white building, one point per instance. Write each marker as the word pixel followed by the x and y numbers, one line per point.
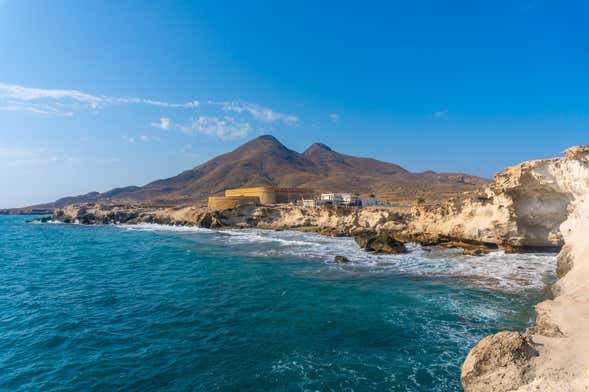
pixel 340 199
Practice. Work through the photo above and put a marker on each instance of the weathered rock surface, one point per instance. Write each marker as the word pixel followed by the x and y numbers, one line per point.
pixel 380 243
pixel 327 221
pixel 89 214
pixel 548 203
pixel 469 248
pixel 341 259
pixel 499 362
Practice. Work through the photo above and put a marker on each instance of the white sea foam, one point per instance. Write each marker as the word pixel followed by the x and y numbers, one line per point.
pixel 509 272
pixel 163 228
pixel 54 222
pixel 49 222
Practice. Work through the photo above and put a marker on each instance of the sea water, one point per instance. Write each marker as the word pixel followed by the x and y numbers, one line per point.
pixel 148 307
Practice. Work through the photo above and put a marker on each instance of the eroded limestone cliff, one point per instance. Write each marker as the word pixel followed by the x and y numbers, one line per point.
pixel 548 202
pixel 522 209
pixel 279 217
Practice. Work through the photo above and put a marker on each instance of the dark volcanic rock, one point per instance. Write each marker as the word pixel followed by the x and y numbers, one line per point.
pixel 341 259
pixel 380 243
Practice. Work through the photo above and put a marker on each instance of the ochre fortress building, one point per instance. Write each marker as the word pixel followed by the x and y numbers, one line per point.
pixel 261 195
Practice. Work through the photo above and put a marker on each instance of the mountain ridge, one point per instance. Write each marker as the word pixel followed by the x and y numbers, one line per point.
pixel 265 161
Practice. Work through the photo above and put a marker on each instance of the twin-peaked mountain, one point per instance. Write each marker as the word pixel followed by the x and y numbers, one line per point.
pixel 265 161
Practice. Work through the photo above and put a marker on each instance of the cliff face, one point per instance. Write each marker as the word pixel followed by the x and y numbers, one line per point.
pixel 523 208
pixel 548 203
pixel 279 217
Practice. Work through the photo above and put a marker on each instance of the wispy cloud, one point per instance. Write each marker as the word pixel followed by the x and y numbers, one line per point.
pixel 140 139
pixel 258 112
pixel 440 114
pixel 44 110
pixel 226 120
pixel 333 117
pixel 225 128
pixel 14 97
pixel 164 124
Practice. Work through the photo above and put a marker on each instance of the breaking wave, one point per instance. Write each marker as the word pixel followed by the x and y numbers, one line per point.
pixel 496 270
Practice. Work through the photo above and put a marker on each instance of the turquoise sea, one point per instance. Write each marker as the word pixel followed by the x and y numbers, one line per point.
pixel 142 308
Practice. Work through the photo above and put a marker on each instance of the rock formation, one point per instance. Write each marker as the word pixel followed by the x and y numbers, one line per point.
pixel 382 242
pixel 327 221
pixel 341 259
pixel 547 202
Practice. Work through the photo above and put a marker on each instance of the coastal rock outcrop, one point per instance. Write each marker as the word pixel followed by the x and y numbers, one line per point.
pixel 94 213
pixel 380 243
pixel 548 205
pixel 499 362
pixel 327 221
pixel 469 248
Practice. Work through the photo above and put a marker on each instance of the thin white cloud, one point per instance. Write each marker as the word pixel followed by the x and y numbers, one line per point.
pixel 140 139
pixel 226 128
pixel 440 114
pixel 44 110
pixel 22 98
pixel 127 100
pixel 64 102
pixel 333 117
pixel 31 94
pixel 164 124
pixel 258 112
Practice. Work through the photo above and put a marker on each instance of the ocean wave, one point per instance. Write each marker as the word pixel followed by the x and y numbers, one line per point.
pixel 497 270
pixel 509 272
pixel 49 222
pixel 163 228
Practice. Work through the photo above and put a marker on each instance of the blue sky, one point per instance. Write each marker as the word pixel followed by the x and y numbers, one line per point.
pixel 100 94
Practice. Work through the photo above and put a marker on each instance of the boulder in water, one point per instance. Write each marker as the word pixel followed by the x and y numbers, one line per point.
pixel 380 243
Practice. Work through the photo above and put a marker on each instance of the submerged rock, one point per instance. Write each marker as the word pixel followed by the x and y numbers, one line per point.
pixel 341 259
pixel 468 248
pixel 380 243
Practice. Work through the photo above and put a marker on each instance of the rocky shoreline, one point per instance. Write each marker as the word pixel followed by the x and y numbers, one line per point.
pixel 537 205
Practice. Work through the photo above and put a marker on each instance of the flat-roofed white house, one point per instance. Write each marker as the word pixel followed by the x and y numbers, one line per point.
pixel 340 199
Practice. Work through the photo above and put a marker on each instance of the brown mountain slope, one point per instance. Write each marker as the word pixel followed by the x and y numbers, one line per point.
pixel 265 161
